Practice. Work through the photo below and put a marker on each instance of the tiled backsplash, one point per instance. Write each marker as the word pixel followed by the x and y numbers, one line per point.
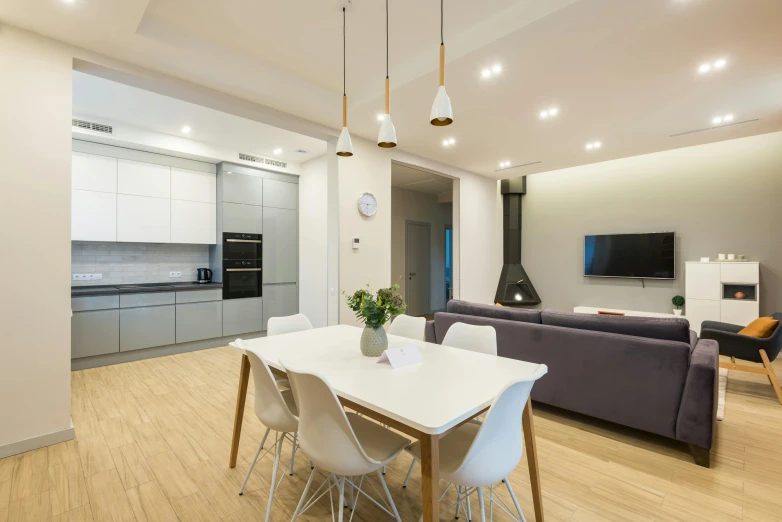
pixel 122 263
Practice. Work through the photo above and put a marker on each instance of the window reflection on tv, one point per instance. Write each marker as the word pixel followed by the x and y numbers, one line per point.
pixel 640 256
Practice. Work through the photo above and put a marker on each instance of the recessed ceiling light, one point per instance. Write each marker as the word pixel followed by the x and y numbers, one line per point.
pixel 593 145
pixel 589 146
pixel 496 68
pixel 380 117
pixel 445 143
pixel 553 111
pixel 69 1
pixel 486 73
pixel 721 63
pixel 717 120
pixel 543 115
pixel 186 129
pixel 451 141
pixel 704 68
pixel 727 117
pixel 504 164
pixel 277 151
pixel 597 144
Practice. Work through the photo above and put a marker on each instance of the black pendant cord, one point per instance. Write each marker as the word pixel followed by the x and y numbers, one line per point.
pixel 386 38
pixel 344 56
pixel 442 40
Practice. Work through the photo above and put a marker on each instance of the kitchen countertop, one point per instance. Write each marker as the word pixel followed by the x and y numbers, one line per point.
pixel 84 291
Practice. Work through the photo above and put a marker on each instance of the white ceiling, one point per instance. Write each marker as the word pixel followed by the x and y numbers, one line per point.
pixel 105 101
pixel 621 72
pixel 411 178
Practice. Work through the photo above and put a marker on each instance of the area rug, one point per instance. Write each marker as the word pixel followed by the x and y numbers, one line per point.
pixel 721 396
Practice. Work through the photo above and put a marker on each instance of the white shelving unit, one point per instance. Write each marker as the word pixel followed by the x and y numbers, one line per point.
pixel 709 290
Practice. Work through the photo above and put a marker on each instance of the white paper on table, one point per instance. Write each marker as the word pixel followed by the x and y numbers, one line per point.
pixel 402 356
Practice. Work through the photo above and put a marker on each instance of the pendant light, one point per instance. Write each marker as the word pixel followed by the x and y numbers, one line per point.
pixel 386 138
pixel 344 144
pixel 442 111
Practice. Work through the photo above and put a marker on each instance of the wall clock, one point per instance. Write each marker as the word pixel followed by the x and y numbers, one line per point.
pixel 367 204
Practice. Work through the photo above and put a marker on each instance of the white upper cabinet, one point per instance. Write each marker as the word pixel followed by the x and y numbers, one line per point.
pixel 143 219
pixel 191 185
pixel 193 222
pixel 143 179
pixel 92 172
pixel 280 194
pixel 93 216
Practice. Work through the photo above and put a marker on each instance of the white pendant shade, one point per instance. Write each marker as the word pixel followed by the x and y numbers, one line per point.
pixel 386 138
pixel 344 144
pixel 442 111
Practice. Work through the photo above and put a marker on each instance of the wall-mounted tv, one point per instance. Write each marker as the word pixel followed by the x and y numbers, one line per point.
pixel 639 256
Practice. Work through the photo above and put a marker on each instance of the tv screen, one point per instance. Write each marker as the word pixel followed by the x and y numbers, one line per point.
pixel 640 256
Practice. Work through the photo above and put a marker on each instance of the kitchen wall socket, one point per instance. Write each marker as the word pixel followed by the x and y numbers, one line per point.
pixel 87 277
pixel 175 274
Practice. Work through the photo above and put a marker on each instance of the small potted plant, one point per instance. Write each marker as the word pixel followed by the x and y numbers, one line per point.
pixel 678 302
pixel 374 310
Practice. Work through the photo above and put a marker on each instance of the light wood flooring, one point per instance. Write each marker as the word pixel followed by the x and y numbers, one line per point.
pixel 152 442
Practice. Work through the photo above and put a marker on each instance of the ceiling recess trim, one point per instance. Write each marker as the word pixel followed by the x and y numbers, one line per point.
pixel 518 166
pixel 712 128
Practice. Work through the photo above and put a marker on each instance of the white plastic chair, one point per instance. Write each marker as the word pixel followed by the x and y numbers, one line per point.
pixel 471 337
pixel 342 445
pixel 276 409
pixel 408 326
pixel 279 326
pixel 474 456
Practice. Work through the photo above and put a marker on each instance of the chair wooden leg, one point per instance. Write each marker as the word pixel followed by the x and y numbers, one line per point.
pixel 772 377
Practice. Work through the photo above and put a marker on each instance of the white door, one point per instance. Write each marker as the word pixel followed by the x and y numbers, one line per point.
pixel 417 254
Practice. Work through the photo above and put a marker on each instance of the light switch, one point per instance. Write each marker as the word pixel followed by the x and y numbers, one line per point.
pixel 356 242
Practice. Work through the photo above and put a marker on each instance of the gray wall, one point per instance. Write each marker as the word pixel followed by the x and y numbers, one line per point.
pixel 723 197
pixel 122 263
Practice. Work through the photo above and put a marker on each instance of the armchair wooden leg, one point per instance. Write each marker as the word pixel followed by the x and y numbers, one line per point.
pixel 772 377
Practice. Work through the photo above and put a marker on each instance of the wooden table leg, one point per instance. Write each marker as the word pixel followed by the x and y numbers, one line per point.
pixel 430 477
pixel 241 397
pixel 532 460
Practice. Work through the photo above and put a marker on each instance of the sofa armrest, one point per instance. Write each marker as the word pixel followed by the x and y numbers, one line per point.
pixel 429 335
pixel 698 409
pixel 723 327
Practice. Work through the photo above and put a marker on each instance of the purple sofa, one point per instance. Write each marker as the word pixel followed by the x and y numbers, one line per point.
pixel 646 373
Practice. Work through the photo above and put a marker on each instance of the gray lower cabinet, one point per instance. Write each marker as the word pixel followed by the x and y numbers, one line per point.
pixel 243 316
pixel 94 333
pixel 199 321
pixel 280 300
pixel 147 327
pixel 280 245
pixel 242 218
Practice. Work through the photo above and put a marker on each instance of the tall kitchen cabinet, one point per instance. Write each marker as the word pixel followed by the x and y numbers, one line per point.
pixel 728 292
pixel 255 201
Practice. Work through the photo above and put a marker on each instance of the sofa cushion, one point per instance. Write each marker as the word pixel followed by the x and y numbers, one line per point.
pixel 673 329
pixel 497 312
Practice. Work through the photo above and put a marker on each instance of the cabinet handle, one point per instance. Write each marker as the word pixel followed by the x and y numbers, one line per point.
pixel 243 269
pixel 243 241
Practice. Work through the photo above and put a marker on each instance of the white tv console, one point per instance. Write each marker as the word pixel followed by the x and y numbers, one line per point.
pixel 709 291
pixel 630 313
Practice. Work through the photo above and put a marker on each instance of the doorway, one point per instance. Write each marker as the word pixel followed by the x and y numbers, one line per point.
pixel 448 263
pixel 417 265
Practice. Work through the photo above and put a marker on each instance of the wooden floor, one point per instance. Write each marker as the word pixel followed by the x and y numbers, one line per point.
pixel 152 441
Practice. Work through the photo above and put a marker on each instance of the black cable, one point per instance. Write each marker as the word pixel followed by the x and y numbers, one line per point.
pixel 344 59
pixel 386 38
pixel 442 41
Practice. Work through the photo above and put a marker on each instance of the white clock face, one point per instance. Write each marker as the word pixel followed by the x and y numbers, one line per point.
pixel 367 204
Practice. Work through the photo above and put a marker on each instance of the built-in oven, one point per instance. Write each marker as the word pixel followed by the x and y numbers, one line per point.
pixel 237 245
pixel 242 265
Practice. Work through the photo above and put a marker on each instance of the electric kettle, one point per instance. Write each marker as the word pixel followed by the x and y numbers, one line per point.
pixel 204 276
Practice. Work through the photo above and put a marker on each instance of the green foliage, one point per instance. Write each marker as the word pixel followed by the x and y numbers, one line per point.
pixel 678 301
pixel 375 309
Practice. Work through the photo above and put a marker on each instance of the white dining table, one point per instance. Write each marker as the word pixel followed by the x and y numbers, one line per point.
pixel 425 400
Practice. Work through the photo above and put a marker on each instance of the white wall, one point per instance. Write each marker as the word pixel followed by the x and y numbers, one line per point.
pixel 409 205
pixel 718 198
pixel 313 243
pixel 35 183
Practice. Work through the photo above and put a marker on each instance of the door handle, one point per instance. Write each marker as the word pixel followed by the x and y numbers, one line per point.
pixel 243 269
pixel 243 241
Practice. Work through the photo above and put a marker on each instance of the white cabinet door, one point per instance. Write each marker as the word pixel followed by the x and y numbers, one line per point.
pixel 748 273
pixel 739 311
pixel 699 310
pixel 143 220
pixel 193 222
pixel 93 216
pixel 143 179
pixel 92 172
pixel 702 281
pixel 191 185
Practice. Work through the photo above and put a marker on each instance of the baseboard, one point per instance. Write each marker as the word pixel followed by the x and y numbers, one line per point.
pixel 40 441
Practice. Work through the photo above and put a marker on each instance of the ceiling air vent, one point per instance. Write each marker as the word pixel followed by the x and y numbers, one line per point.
pixel 712 128
pixel 89 125
pixel 263 161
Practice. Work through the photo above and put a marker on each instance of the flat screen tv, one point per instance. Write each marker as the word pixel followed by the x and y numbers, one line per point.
pixel 639 256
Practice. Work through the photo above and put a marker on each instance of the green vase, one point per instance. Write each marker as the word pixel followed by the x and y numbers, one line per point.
pixel 373 341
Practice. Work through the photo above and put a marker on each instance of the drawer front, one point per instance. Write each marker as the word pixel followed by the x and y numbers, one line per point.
pixel 147 327
pixel 739 311
pixel 242 316
pixel 740 273
pixel 94 333
pixel 148 299
pixel 198 321
pixel 199 296
pixel 95 302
